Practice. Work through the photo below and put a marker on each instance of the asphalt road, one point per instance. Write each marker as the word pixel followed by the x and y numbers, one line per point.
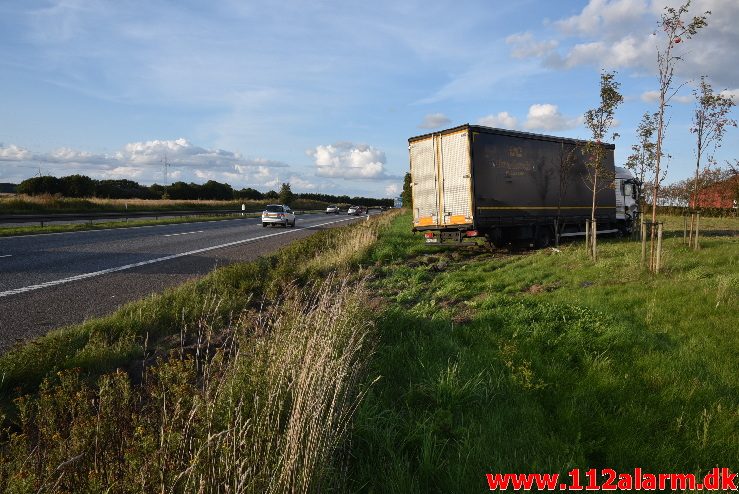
pixel 53 280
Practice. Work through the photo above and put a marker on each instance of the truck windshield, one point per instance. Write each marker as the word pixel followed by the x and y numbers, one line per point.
pixel 628 192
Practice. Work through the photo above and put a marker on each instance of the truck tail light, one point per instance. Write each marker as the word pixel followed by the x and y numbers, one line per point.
pixel 428 235
pixel 471 233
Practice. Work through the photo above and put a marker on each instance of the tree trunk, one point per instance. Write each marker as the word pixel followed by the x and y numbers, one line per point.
pixel 697 173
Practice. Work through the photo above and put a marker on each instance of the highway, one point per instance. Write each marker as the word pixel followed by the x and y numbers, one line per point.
pixel 53 280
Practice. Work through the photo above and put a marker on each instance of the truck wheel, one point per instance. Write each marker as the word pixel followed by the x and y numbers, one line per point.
pixel 544 237
pixel 264 225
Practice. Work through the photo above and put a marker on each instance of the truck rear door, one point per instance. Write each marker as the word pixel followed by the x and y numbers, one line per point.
pixel 424 188
pixel 442 180
pixel 456 197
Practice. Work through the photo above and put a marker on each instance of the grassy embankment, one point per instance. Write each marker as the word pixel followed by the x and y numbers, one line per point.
pixel 542 362
pixel 243 381
pixel 483 363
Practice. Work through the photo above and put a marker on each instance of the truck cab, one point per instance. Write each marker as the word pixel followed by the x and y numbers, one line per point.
pixel 627 189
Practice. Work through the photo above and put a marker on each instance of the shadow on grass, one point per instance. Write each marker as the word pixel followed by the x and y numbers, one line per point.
pixel 527 386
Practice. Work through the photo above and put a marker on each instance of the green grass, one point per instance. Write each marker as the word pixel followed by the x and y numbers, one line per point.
pixel 245 380
pixel 545 361
pixel 483 362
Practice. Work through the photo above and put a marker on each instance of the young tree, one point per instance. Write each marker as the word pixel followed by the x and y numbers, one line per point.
pixel 710 121
pixel 675 30
pixel 642 158
pixel 286 194
pixel 567 161
pixel 599 120
pixel 407 194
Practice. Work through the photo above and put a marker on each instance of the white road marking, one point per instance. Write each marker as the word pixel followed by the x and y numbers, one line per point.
pixel 7 255
pixel 124 228
pixel 85 276
pixel 184 233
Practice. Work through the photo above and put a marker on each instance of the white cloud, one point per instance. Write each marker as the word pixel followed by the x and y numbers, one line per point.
pixel 502 120
pixel 392 190
pixel 348 160
pixel 731 93
pixel 621 34
pixel 297 182
pixel 653 96
pixel 434 121
pixel 525 46
pixel 143 161
pixel 650 96
pixel 14 153
pixel 599 15
pixel 182 152
pixel 548 117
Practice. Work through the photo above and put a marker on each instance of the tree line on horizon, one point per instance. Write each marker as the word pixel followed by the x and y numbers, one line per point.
pixel 80 186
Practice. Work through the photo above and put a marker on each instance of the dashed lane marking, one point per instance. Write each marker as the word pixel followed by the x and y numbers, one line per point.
pixel 85 276
pixel 183 233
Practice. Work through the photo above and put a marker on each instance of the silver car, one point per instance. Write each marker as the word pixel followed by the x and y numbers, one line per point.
pixel 332 209
pixel 278 214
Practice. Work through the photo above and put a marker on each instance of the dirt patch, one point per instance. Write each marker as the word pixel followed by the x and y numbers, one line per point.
pixel 375 304
pixel 542 288
pixel 464 315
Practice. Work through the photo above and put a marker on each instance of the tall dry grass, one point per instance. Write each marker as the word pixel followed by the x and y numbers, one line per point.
pixel 348 247
pixel 262 407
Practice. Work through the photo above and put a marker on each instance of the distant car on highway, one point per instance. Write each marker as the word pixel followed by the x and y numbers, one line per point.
pixel 278 214
pixel 332 209
pixel 356 210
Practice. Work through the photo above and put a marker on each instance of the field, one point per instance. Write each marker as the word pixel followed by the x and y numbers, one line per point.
pixel 22 204
pixel 359 359
pixel 546 361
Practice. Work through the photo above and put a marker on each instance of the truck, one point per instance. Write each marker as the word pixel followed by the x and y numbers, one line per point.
pixel 513 187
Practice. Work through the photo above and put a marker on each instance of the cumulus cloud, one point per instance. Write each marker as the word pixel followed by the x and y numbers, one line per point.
pixel 434 121
pixel 502 120
pixel 182 152
pixel 348 160
pixel 143 161
pixel 621 34
pixel 14 153
pixel 392 190
pixel 548 117
pixel 599 15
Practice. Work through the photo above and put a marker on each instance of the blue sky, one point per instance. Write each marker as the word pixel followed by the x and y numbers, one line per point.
pixel 325 94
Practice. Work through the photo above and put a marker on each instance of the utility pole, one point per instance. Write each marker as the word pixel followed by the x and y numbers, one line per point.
pixel 165 162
